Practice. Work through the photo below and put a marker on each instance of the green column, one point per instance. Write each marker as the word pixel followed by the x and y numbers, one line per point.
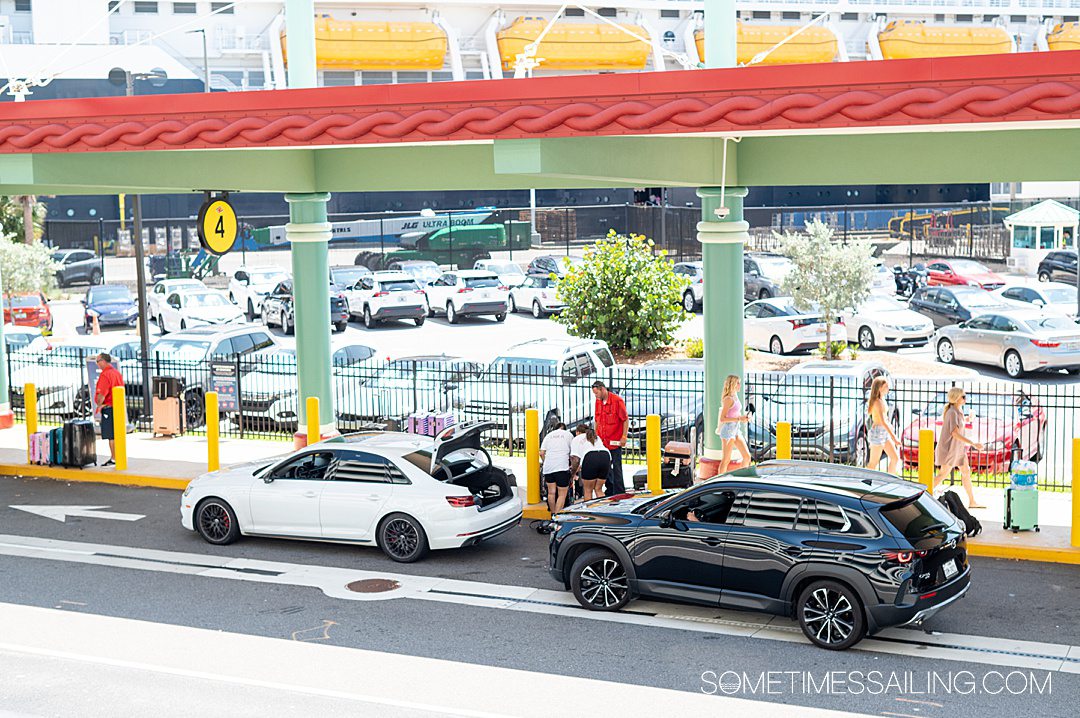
pixel 722 245
pixel 308 232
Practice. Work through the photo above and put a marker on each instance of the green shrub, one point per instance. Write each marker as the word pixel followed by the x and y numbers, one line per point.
pixel 695 348
pixel 625 293
pixel 838 348
pixel 26 267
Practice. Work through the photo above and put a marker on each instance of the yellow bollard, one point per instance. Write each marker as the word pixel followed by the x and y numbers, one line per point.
pixel 926 458
pixel 120 427
pixel 652 454
pixel 313 433
pixel 783 440
pixel 1075 495
pixel 532 456
pixel 30 405
pixel 213 428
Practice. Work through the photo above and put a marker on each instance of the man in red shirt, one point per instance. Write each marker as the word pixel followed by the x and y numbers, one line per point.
pixel 103 402
pixel 612 423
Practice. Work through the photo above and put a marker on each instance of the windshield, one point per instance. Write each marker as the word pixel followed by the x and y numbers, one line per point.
pixel 984 406
pixel 18 341
pixel 269 276
pixel 882 304
pixel 181 349
pixel 205 300
pixel 775 266
pixel 812 389
pixel 110 294
pixel 59 256
pixel 968 266
pixel 31 300
pixel 349 276
pixel 519 365
pixel 481 282
pixel 1044 323
pixel 1060 295
pixel 977 298
pixel 504 268
pixel 424 272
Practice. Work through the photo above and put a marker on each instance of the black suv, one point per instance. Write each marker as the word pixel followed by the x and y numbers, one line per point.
pixel 846 552
pixel 1058 266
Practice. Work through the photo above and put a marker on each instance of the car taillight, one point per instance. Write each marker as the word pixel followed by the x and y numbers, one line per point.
pixel 419 291
pixel 700 280
pixel 1045 345
pixel 461 501
pixel 464 289
pixel 381 294
pixel 902 557
pixel 503 289
pixel 796 323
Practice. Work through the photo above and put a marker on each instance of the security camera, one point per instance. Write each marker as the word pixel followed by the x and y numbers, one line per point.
pixel 721 212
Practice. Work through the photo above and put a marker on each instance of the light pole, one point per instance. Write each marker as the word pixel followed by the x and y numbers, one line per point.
pixel 205 60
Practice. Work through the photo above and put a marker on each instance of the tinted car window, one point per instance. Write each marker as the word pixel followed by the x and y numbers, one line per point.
pixel 242 344
pixel 838 520
pixel 917 517
pixel 362 466
pixel 711 507
pixel 980 323
pixel 771 510
pixel 481 282
pixel 399 285
pixel 261 340
pixel 605 357
pixel 1004 324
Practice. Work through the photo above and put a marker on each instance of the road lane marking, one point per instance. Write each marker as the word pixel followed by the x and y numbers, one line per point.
pixel 333 582
pixel 61 513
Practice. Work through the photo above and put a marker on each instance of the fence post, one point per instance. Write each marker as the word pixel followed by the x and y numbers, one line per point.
pixel 213 426
pixel 120 426
pixel 652 454
pixel 1075 495
pixel 926 458
pixel 532 456
pixel 30 409
pixel 783 440
pixel 313 420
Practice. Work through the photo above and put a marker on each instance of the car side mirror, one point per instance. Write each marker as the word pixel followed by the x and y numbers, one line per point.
pixel 1039 303
pixel 665 519
pixel 754 273
pixel 268 479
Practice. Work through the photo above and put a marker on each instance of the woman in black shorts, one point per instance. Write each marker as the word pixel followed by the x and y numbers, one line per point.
pixel 591 460
pixel 555 466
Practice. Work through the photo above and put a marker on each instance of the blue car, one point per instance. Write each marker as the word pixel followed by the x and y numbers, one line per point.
pixel 112 304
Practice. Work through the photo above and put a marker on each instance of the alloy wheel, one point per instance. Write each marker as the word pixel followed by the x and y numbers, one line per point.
pixel 1014 367
pixel 829 616
pixel 688 302
pixel 945 351
pixel 776 346
pixel 537 312
pixel 401 538
pixel 604 583
pixel 866 338
pixel 215 522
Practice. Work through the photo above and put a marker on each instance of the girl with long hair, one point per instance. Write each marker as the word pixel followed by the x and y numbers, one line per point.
pixel 727 426
pixel 590 460
pixel 881 436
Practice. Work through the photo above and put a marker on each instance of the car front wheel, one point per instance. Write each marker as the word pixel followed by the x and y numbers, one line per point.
pixel 1044 276
pixel 599 581
pixel 402 538
pixel 511 305
pixel 537 310
pixel 369 321
pixel 688 302
pixel 945 352
pixel 831 616
pixel 451 313
pixel 216 522
pixel 866 338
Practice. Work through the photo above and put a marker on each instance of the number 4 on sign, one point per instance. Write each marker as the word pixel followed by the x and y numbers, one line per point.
pixel 219 228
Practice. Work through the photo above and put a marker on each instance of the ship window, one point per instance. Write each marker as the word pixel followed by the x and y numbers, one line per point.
pixel 791 15
pixel 574 12
pixel 965 18
pixel 606 12
pixel 376 78
pixel 183 8
pixel 226 8
pixel 411 77
pixel 338 78
pixel 669 13
pixel 149 8
pixel 23 6
pixel 1018 19
pixel 849 16
pixel 762 15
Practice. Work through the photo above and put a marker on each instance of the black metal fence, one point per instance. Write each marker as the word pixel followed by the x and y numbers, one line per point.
pixel 827 413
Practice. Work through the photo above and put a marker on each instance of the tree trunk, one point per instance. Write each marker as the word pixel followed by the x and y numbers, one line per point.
pixel 28 217
pixel 828 340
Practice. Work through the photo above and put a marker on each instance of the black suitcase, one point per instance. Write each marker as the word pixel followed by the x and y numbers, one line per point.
pixel 78 440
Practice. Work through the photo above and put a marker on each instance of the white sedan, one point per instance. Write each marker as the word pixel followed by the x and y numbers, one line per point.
pixel 1055 298
pixel 885 322
pixel 404 493
pixel 161 290
pixel 537 294
pixel 186 310
pixel 775 325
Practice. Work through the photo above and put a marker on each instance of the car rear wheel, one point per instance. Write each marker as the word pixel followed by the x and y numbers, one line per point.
pixel 95 277
pixel 161 325
pixel 250 311
pixel 341 326
pixel 286 324
pixel 862 450
pixel 500 317
pixel 830 615
pixel 1044 276
pixel 1014 365
pixel 511 305
pixel 764 294
pixel 402 538
pixel 537 310
pixel 688 302
pixel 866 338
pixel 451 313
pixel 419 321
pixel 599 581
pixel 945 352
pixel 369 320
pixel 194 409
pixel 776 346
pixel 216 522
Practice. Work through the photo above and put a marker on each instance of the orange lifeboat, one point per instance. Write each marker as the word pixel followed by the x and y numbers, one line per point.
pixel 1064 36
pixel 906 39
pixel 814 44
pixel 355 45
pixel 574 46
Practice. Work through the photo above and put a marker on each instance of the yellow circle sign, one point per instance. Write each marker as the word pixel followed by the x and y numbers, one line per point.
pixel 217 226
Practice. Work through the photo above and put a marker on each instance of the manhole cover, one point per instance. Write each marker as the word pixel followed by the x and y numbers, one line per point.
pixel 373 585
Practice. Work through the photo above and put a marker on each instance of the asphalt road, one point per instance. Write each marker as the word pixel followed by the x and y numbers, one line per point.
pixel 1009 600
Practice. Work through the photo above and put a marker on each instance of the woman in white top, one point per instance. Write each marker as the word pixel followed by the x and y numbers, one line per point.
pixel 591 460
pixel 555 466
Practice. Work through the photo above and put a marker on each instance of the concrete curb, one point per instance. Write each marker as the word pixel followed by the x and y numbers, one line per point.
pixel 92 475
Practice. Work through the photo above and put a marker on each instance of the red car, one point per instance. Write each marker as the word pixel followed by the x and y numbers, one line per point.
pixel 1002 423
pixel 964 272
pixel 28 310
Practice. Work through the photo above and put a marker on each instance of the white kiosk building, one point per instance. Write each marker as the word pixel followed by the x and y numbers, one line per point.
pixel 1038 230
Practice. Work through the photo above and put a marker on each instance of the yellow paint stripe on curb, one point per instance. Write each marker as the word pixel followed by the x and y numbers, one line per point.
pixel 100 477
pixel 1025 553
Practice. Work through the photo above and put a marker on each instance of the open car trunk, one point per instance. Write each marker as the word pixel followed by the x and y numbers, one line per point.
pixel 460 459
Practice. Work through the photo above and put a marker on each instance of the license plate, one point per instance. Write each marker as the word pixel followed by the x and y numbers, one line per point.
pixel 401 299
pixel 950 568
pixel 20 315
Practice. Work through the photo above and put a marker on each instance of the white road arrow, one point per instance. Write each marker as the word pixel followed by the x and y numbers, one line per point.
pixel 60 513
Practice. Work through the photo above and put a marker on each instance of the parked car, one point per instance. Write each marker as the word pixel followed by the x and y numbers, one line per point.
pixel 538 294
pixel 882 321
pixel 112 304
pixel 886 553
pixel 155 298
pixel 20 339
pixel 185 309
pixel 763 274
pixel 402 387
pixel 1019 341
pixel 1049 297
pixel 553 376
pixel 951 305
pixel 962 272
pixel 250 285
pixel 387 296
pixel 424 271
pixel 77 265
pixel 268 393
pixel 883 280
pixel 510 273
pixel 776 326
pixel 468 292
pixel 1058 266
pixel 694 294
pixel 556 264
pixel 672 388
pixel 825 403
pixel 1009 425
pixel 59 372
pixel 404 493
pixel 28 310
pixel 279 307
pixel 347 275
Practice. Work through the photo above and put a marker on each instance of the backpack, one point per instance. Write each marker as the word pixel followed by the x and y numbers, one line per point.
pixel 956 507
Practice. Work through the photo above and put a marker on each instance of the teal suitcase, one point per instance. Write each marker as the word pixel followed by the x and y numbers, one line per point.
pixel 1021 509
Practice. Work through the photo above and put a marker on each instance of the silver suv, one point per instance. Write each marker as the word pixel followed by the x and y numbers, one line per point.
pixel 77 265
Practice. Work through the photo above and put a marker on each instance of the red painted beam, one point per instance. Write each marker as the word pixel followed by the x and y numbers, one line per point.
pixel 1026 87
